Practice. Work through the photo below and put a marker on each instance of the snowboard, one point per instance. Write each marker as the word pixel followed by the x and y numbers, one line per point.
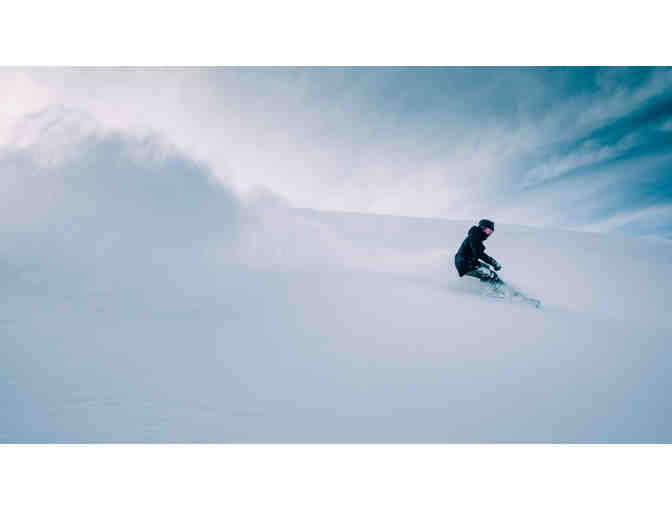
pixel 503 290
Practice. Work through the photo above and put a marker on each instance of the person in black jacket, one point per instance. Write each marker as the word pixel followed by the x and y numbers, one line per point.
pixel 472 252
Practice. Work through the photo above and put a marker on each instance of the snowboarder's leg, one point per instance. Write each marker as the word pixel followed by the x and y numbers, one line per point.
pixel 487 275
pixel 484 273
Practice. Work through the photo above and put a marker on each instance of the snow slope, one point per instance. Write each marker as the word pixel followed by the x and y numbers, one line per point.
pixel 141 302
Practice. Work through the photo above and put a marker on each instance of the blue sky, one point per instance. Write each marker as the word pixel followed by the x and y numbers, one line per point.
pixel 577 148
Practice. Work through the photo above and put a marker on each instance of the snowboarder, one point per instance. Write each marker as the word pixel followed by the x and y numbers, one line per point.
pixel 472 251
pixel 468 261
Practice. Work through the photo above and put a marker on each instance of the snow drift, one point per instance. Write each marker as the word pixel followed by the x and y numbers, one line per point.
pixel 144 302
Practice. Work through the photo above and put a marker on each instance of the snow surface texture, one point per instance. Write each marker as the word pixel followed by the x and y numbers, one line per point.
pixel 143 302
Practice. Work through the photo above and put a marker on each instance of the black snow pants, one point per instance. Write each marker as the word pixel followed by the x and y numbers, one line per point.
pixel 484 273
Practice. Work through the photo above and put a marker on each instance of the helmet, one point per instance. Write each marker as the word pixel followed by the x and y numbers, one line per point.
pixel 487 224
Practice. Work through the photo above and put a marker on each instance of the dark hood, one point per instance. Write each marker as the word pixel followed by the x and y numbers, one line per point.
pixel 478 233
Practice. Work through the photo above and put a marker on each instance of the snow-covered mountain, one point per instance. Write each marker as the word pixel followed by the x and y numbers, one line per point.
pixel 144 302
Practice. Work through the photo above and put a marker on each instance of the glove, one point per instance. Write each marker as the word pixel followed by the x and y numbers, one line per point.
pixel 496 265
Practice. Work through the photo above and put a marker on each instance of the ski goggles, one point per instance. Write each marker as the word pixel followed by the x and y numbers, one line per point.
pixel 488 231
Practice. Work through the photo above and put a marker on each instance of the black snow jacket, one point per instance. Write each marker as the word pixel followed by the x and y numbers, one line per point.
pixel 471 250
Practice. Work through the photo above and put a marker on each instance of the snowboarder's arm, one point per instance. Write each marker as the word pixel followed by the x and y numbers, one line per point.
pixel 493 263
pixel 489 260
pixel 478 250
pixel 476 245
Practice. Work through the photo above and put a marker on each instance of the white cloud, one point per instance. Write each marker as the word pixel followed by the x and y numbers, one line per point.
pixel 325 140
